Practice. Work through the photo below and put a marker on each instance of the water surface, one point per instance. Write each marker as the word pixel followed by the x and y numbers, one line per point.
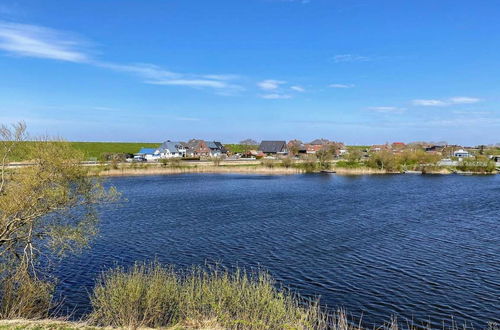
pixel 420 247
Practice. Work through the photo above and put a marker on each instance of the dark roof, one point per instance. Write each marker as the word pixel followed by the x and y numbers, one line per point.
pixel 221 147
pixel 319 142
pixel 171 146
pixel 272 146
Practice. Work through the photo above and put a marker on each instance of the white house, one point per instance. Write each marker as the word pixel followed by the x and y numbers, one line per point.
pixel 461 154
pixel 171 149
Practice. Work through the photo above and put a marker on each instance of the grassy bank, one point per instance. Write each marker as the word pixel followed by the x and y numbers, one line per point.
pixel 156 169
pixel 97 149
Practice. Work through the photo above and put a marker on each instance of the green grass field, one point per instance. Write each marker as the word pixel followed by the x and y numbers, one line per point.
pixel 96 149
pixel 239 148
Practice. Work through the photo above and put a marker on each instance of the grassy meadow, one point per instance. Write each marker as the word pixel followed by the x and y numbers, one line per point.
pixel 97 149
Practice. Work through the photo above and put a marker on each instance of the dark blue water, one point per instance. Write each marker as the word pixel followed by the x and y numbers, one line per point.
pixel 420 247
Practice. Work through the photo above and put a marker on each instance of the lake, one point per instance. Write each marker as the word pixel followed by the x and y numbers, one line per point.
pixel 420 247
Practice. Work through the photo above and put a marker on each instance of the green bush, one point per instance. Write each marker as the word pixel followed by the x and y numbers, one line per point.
pixel 348 164
pixel 480 164
pixel 269 163
pixel 308 165
pixel 287 162
pixel 149 295
pixel 23 296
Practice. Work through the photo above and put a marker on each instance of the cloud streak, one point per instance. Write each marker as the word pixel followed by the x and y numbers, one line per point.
pixel 445 102
pixel 385 109
pixel 41 42
pixel 278 89
pixel 341 85
pixel 276 96
pixel 270 84
pixel 299 89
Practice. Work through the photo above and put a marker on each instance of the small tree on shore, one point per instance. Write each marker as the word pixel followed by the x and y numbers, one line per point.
pixel 46 210
pixel 324 156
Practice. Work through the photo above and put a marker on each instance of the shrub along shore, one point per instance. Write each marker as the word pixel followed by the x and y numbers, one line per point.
pixel 267 167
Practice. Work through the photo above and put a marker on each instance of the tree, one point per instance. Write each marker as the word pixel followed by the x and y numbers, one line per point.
pixel 294 147
pixel 248 144
pixel 324 156
pixel 354 156
pixel 383 160
pixel 47 209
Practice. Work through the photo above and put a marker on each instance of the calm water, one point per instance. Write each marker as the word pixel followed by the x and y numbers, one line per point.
pixel 421 247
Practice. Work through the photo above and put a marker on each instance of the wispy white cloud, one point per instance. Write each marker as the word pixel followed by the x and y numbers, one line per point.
pixel 41 42
pixel 36 41
pixel 299 89
pixel 276 96
pixel 191 83
pixel 350 58
pixel 144 70
pixel 385 109
pixel 445 102
pixel 463 100
pixel 429 103
pixel 270 84
pixel 155 75
pixel 278 89
pixel 341 85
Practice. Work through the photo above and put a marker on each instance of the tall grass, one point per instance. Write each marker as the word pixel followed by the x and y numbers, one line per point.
pixel 149 295
pixel 22 296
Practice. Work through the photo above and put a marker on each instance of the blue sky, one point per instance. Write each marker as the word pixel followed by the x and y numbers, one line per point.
pixel 362 72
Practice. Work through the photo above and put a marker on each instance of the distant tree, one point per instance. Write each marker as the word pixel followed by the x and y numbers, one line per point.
pixel 383 160
pixel 248 144
pixel 294 147
pixel 331 148
pixel 354 155
pixel 481 149
pixel 324 156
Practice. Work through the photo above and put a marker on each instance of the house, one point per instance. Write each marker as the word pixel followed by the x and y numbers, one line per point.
pixel 434 149
pixel 149 154
pixel 398 146
pixel 216 148
pixel 495 158
pixel 201 148
pixel 221 147
pixel 170 149
pixel 296 147
pixel 197 148
pixel 313 148
pixel 461 153
pixel 379 147
pixel 273 147
pixel 319 142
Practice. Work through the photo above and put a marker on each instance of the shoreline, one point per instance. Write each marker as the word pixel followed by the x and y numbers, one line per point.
pixel 256 169
pixel 203 169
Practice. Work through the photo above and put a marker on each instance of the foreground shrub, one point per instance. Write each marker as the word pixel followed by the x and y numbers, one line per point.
pixel 146 295
pixel 23 296
pixel 153 296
